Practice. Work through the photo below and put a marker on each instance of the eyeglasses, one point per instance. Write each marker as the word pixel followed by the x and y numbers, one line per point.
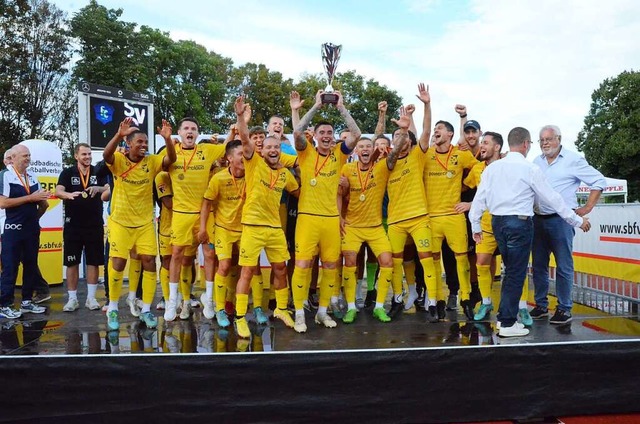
pixel 547 140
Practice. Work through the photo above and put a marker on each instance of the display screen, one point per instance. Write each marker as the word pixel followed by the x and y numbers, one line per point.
pixel 105 116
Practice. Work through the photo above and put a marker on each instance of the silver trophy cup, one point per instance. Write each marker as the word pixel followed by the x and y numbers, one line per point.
pixel 330 58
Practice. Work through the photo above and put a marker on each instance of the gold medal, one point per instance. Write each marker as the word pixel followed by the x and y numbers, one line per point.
pixel 85 195
pixel 181 176
pixel 313 182
pixel 362 197
pixel 449 174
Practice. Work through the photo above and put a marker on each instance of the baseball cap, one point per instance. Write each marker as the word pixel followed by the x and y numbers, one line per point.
pixel 472 124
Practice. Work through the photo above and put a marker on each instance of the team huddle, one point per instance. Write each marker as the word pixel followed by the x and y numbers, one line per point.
pixel 399 197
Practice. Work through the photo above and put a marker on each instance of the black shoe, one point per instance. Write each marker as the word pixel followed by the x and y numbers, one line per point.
pixel 452 302
pixel 396 308
pixel 475 296
pixel 432 314
pixel 313 300
pixel 539 312
pixel 370 299
pixel 440 307
pixel 419 303
pixel 560 317
pixel 467 308
pixel 272 304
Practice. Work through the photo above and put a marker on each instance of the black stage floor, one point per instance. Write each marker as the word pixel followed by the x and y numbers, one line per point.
pixel 65 367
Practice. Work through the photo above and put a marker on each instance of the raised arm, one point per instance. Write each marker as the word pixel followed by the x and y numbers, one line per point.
pixel 124 129
pixel 409 109
pixel 165 131
pixel 381 126
pixel 354 131
pixel 425 98
pixel 240 108
pixel 296 104
pixel 403 138
pixel 462 111
pixel 306 119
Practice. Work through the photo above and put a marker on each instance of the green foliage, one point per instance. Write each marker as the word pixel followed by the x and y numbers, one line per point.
pixel 609 137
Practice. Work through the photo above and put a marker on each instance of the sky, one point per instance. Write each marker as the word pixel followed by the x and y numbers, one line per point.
pixel 511 62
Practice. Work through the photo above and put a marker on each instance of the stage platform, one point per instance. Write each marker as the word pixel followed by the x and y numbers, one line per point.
pixel 66 367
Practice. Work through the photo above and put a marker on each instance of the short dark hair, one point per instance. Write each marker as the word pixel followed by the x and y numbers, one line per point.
pixel 133 134
pixel 412 137
pixel 188 119
pixel 518 136
pixel 232 145
pixel 321 123
pixel 447 125
pixel 78 146
pixel 382 136
pixel 496 137
pixel 257 130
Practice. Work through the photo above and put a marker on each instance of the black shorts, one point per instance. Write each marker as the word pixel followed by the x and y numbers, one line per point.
pixel 472 242
pixel 89 240
pixel 292 219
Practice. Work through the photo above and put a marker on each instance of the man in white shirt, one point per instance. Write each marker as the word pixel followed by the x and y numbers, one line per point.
pixel 564 170
pixel 508 190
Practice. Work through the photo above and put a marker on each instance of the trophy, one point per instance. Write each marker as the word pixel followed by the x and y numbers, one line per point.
pixel 330 58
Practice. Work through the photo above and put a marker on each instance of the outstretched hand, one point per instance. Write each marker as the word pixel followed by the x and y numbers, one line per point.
pixel 165 130
pixel 295 101
pixel 423 93
pixel 126 128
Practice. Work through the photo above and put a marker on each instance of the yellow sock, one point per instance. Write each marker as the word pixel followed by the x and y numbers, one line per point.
pixel 220 291
pixel 327 284
pixel 148 286
pixel 232 281
pixel 484 280
pixel 350 283
pixel 282 298
pixel 115 283
pixel 430 278
pixel 462 266
pixel 242 300
pixel 385 277
pixel 135 267
pixel 185 281
pixel 338 283
pixel 257 290
pixel 164 282
pixel 299 286
pixel 525 290
pixel 396 282
pixel 409 272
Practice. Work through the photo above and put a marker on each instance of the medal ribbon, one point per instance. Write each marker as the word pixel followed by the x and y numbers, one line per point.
pixel 185 164
pixel 25 182
pixel 272 182
pixel 83 180
pixel 315 167
pixel 131 168
pixel 445 165
pixel 363 187
pixel 243 188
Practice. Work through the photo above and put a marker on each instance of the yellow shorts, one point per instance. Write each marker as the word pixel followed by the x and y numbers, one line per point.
pixel 224 242
pixel 313 232
pixel 489 244
pixel 184 229
pixel 454 229
pixel 255 238
pixel 164 245
pixel 375 237
pixel 418 228
pixel 122 239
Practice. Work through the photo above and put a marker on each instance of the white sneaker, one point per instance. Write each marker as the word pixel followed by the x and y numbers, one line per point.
pixel 170 311
pixel 92 304
pixel 71 305
pixel 300 325
pixel 516 330
pixel 133 307
pixel 30 307
pixel 185 313
pixel 208 310
pixel 324 319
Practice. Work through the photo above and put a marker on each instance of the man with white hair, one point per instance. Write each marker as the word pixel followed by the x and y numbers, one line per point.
pixel 25 203
pixel 565 170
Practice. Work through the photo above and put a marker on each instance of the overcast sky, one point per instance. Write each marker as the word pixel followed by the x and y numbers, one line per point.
pixel 513 63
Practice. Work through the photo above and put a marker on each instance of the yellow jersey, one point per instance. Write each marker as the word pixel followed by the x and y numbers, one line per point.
pixel 264 190
pixel 132 197
pixel 163 188
pixel 190 175
pixel 472 180
pixel 228 194
pixel 406 189
pixel 364 209
pixel 319 179
pixel 443 178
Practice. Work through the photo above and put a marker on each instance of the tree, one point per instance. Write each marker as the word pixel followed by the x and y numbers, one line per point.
pixel 609 137
pixel 34 55
pixel 360 96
